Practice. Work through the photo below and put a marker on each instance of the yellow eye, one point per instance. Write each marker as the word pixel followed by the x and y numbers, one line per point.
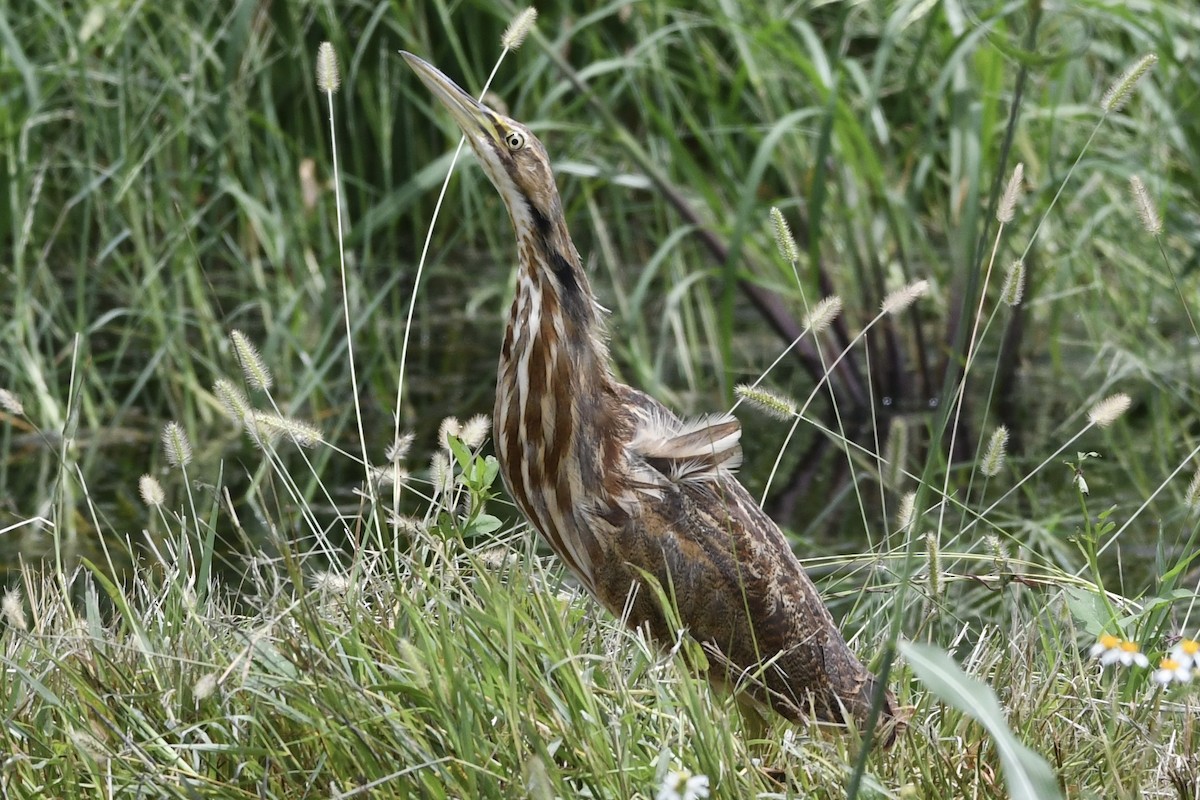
pixel 514 139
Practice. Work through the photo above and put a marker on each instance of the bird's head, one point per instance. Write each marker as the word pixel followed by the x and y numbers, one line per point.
pixel 513 158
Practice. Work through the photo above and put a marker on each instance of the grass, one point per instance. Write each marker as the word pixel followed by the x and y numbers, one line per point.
pixel 272 626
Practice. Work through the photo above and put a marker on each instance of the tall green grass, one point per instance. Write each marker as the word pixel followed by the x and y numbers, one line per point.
pixel 266 629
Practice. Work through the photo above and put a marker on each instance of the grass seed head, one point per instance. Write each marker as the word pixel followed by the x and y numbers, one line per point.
pixel 1146 211
pixel 233 400
pixel 329 78
pixel 518 29
pixel 252 364
pixel 1108 410
pixel 11 403
pixel 1014 284
pixel 993 457
pixel 1119 92
pixel 905 296
pixel 176 446
pixel 151 491
pixel 1191 496
pixel 1012 193
pixel 14 610
pixel 783 237
pixel 823 313
pixel 773 403
pixel 475 430
pixel 907 511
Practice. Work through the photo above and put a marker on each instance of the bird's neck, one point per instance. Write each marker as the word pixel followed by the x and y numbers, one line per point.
pixel 554 387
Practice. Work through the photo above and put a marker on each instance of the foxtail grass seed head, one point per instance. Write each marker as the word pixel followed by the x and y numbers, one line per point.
pixel 441 474
pixel 823 313
pixel 450 427
pixel 997 449
pixel 1119 92
pixel 895 453
pixel 475 430
pixel 1014 284
pixel 518 29
pixel 14 610
pixel 329 78
pixel 1146 211
pixel 151 491
pixel 783 237
pixel 907 511
pixel 11 403
pixel 205 686
pixel 176 446
pixel 772 403
pixel 415 662
pixel 1191 496
pixel 252 364
pixel 1108 410
pixel 905 296
pixel 933 557
pixel 270 428
pixel 233 401
pixel 1012 193
pixel 999 551
pixel 398 449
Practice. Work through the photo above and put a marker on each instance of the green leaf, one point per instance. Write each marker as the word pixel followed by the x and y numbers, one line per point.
pixel 1089 610
pixel 1026 774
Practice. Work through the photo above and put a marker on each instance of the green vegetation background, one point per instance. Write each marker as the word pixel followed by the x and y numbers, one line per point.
pixel 166 176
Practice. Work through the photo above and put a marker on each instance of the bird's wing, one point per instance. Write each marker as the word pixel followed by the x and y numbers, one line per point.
pixel 702 449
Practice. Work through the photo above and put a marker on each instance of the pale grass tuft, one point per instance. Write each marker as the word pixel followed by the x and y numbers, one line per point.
pixel 329 78
pixel 176 445
pixel 773 403
pixel 252 364
pixel 783 237
pixel 823 313
pixel 997 449
pixel 151 491
pixel 205 686
pixel 1014 284
pixel 450 427
pixel 1191 496
pixel 518 29
pixel 398 449
pixel 233 401
pixel 1012 193
pixel 11 403
pixel 267 428
pixel 1119 92
pixel 1108 410
pixel 327 582
pixel 905 296
pixel 1146 211
pixel 14 610
pixel 475 430
pixel 907 512
pixel 441 474
pixel 407 525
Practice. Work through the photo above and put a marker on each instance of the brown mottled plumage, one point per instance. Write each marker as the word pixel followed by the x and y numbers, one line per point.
pixel 621 488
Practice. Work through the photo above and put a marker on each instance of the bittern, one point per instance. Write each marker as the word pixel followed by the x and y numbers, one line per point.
pixel 641 506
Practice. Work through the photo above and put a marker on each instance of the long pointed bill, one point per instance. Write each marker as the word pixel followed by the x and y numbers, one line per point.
pixel 473 117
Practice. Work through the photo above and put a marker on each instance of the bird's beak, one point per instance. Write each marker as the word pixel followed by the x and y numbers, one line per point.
pixel 472 117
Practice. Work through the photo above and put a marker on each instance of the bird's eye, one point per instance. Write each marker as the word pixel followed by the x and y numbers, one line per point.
pixel 515 140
